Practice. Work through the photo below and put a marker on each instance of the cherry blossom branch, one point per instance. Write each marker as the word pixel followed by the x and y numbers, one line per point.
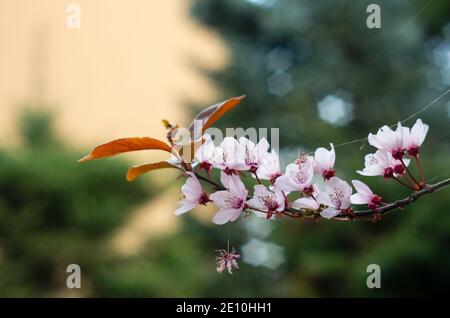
pixel 236 158
pixel 399 203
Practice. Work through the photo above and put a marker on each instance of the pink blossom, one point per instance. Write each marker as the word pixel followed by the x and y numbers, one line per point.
pixel 193 195
pixel 324 162
pixel 305 203
pixel 270 167
pixel 266 200
pixel 231 202
pixel 336 197
pixel 227 260
pixel 389 140
pixel 364 195
pixel 205 154
pixel 382 163
pixel 228 157
pixel 253 155
pixel 298 176
pixel 413 139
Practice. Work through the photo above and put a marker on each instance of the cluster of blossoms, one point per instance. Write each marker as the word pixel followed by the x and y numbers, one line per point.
pixel 308 188
pixel 310 181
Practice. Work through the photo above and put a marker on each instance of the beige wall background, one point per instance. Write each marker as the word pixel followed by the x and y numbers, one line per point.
pixel 132 63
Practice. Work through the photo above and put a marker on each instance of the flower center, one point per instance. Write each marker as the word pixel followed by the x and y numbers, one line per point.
pixel 237 203
pixel 206 166
pixel 413 151
pixel 374 202
pixel 204 199
pixel 229 171
pixel 299 176
pixel 388 172
pixel 399 169
pixel 328 174
pixel 398 154
pixel 336 198
pixel 274 178
pixel 270 203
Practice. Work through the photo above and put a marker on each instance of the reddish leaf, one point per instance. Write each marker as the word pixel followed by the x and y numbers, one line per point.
pixel 136 171
pixel 122 145
pixel 210 115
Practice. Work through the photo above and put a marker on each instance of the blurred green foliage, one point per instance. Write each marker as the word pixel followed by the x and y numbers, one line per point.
pixel 55 211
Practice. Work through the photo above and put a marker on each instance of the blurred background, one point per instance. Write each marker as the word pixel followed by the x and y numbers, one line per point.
pixel 310 68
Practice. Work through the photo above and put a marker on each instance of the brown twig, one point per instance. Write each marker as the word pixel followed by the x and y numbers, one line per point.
pixel 401 203
pixel 217 186
pixel 360 214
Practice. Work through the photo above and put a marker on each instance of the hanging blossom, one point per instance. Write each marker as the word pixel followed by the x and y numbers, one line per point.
pixel 227 260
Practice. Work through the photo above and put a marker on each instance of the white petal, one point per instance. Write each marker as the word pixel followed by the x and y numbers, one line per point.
pixel 371 172
pixel 269 166
pixel 324 198
pixel 407 140
pixel 305 203
pixel 255 203
pixel 222 199
pixel 399 136
pixel 262 149
pixel 373 141
pixel 329 213
pixel 238 188
pixel 225 215
pixel 192 189
pixel 358 198
pixel 184 206
pixel 283 183
pixel 261 191
pixel 231 182
pixel 419 132
pixel 231 154
pixel 324 159
pixel 279 197
pixel 206 152
pixel 362 188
